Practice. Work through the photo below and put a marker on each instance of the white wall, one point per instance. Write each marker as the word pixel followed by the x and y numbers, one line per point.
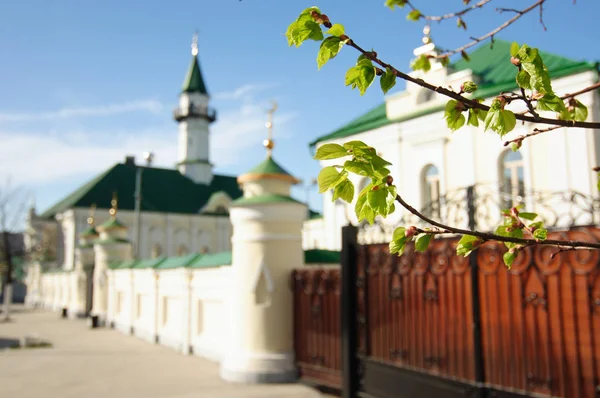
pixel 145 302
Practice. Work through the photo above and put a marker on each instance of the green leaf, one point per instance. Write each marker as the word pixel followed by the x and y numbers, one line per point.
pixel 577 111
pixel 421 63
pixel 509 258
pixel 528 216
pixel 473 117
pixel 524 80
pixel 540 234
pixel 398 246
pixel 336 30
pixel 329 49
pixel 377 200
pixel 362 209
pixel 414 15
pixel 514 49
pixel 499 120
pixel 344 191
pixel 453 114
pixel 354 145
pixel 551 102
pixel 399 233
pixel 532 63
pixel 329 177
pixel 469 87
pixel 395 3
pixel 360 168
pixel 467 244
pixel 387 80
pixel 304 28
pixel 361 75
pixel 422 242
pixel 445 61
pixel 330 151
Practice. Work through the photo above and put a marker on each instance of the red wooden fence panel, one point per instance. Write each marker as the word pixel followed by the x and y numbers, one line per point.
pixel 317 325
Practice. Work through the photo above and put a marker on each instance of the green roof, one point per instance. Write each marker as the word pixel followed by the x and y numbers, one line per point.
pixel 149 263
pixel 314 215
pixel 495 73
pixel 318 256
pixel 123 264
pixel 194 83
pixel 110 240
pixel 211 260
pixel 268 166
pixel 163 190
pixel 112 223
pixel 265 198
pixel 89 231
pixel 178 262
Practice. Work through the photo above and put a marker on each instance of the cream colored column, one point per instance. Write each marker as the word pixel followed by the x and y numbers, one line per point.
pixel 84 260
pixel 267 246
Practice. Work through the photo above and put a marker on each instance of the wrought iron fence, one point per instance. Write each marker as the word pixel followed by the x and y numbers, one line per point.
pixel 480 207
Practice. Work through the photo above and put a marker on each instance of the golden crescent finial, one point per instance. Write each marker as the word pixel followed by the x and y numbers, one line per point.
pixel 269 144
pixel 114 203
pixel 90 219
pixel 195 44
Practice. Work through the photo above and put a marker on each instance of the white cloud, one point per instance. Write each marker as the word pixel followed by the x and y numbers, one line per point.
pixel 244 91
pixel 147 105
pixel 47 156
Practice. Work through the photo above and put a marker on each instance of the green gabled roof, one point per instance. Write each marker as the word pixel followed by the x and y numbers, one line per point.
pixel 112 223
pixel 194 83
pixel 265 198
pixel 163 190
pixel 268 166
pixel 318 256
pixel 178 262
pixel 122 264
pixel 314 215
pixel 149 263
pixel 211 260
pixel 89 231
pixel 496 75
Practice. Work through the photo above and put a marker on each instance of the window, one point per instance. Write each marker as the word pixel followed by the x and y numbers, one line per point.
pixel 431 191
pixel 512 180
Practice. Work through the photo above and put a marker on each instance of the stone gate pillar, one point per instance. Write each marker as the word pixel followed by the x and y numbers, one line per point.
pixel 266 247
pixel 84 263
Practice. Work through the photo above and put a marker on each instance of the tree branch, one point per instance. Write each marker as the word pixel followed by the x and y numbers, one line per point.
pixel 506 24
pixel 536 131
pixel 452 14
pixel 485 236
pixel 470 102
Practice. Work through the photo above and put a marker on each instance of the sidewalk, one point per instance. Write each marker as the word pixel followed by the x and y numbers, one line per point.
pixel 86 363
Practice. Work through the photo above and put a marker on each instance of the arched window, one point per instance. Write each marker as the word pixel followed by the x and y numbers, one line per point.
pixel 512 179
pixel 221 209
pixel 431 191
pixel 156 251
pixel 182 250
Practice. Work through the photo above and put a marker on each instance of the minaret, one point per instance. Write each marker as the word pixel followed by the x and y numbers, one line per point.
pixel 266 247
pixel 194 116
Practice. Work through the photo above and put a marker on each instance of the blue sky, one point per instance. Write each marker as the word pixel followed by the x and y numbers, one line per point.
pixel 82 84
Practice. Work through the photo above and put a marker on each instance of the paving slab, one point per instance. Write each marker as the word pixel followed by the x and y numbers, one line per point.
pixel 106 363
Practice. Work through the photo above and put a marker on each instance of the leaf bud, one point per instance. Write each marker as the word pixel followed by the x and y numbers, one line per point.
pixel 410 231
pixel 468 87
pixel 515 61
pixel 389 180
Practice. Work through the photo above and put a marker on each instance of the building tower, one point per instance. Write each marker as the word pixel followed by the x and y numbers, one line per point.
pixel 194 117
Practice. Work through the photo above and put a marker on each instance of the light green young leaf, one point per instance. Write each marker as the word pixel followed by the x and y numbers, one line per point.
pixel 399 233
pixel 469 87
pixel 421 63
pixel 467 244
pixel 377 200
pixel 399 241
pixel 524 80
pixel 330 47
pixel 329 177
pixel 344 191
pixel 330 151
pixel 473 117
pixel 304 28
pixel 355 145
pixel 577 111
pixel 422 242
pixel 360 168
pixel 361 75
pixel 500 121
pixel 414 15
pixel 509 258
pixel 395 3
pixel 540 234
pixel 362 209
pixel 387 80
pixel 551 102
pixel 453 114
pixel 528 216
pixel 514 49
pixel 336 30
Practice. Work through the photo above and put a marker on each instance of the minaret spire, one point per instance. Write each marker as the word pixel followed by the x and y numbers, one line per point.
pixel 269 143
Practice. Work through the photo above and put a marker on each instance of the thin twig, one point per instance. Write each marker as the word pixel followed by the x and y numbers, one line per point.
pixel 485 236
pixel 469 102
pixel 585 90
pixel 452 14
pixel 493 32
pixel 536 131
pixel 528 101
